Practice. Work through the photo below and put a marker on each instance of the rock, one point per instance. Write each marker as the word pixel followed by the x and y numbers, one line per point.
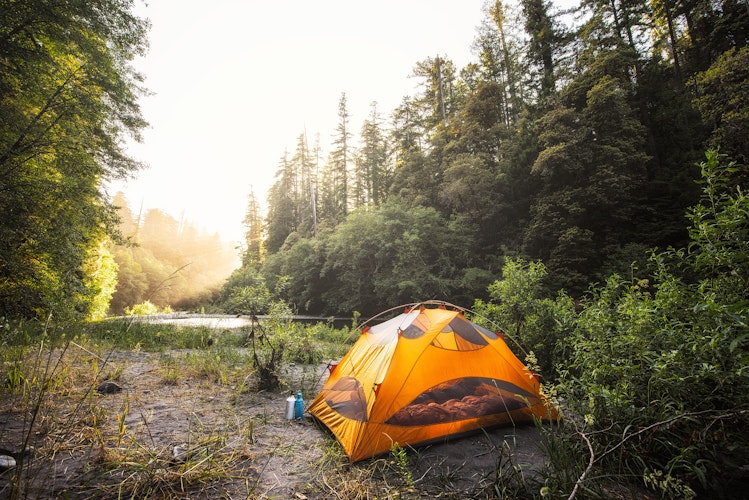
pixel 180 453
pixel 7 462
pixel 109 387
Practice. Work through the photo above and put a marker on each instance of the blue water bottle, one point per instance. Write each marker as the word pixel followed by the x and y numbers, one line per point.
pixel 298 406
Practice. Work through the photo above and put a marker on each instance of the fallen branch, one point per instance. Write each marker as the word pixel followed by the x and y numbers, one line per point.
pixel 593 459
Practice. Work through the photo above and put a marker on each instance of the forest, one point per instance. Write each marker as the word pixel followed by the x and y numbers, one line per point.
pixel 576 145
pixel 582 184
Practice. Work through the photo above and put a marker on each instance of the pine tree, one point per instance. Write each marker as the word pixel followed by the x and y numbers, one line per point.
pixel 439 98
pixel 253 235
pixel 340 157
pixel 500 59
pixel 281 220
pixel 302 187
pixel 371 175
pixel 592 172
pixel 544 42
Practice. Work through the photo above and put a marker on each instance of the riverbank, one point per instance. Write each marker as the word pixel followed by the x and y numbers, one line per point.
pixel 189 423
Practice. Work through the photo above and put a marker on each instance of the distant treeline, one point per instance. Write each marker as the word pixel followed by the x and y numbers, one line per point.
pixel 167 262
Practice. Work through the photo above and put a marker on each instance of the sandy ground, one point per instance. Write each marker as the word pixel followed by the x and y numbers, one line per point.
pixel 194 437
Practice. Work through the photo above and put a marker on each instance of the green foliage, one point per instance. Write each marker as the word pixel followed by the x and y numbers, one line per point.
pixel 68 98
pixel 246 292
pixel 567 459
pixel 300 264
pixel 373 174
pixel 273 339
pixel 153 337
pixel 253 241
pixel 102 271
pixel 722 99
pixel 544 40
pixel 329 343
pixel 269 344
pixel 16 335
pixel 302 347
pixel 252 299
pixel 400 463
pixel 567 142
pixel 664 359
pixel 145 308
pixel 393 255
pixel 276 339
pixel 377 257
pixel 520 305
pixel 509 480
pixel 591 161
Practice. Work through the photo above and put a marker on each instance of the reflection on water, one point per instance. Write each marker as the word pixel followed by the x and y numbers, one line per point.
pixel 213 322
pixel 222 321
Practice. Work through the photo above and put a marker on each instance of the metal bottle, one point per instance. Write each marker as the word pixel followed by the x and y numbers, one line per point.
pixel 290 407
pixel 299 406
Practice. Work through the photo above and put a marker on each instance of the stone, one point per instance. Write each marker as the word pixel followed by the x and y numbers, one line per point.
pixel 180 453
pixel 7 462
pixel 109 387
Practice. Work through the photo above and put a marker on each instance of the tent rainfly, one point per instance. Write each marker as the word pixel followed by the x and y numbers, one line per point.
pixel 423 376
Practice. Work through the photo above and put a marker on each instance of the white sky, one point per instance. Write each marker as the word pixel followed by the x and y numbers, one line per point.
pixel 236 82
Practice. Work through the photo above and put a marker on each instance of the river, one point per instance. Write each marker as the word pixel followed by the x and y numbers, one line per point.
pixel 224 321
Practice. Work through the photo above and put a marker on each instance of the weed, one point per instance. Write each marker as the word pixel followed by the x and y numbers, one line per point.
pixel 16 379
pixel 207 365
pixel 565 452
pixel 667 485
pixel 268 344
pixel 251 431
pixel 334 478
pixel 509 479
pixel 121 421
pixel 400 464
pixel 300 377
pixel 128 333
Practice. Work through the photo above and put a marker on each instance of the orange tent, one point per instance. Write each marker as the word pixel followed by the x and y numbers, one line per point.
pixel 422 376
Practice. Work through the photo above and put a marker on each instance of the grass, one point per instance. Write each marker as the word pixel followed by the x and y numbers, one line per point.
pixel 189 422
pixel 51 375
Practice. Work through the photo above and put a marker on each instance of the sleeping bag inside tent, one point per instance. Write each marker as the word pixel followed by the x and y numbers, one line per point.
pixel 425 375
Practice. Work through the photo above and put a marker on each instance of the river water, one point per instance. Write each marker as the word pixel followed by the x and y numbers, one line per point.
pixel 215 322
pixel 221 321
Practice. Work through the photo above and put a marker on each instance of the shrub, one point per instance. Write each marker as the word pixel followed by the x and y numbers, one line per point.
pixel 145 308
pixel 520 306
pixel 658 366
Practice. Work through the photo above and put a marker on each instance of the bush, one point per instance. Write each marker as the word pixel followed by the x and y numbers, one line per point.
pixel 523 310
pixel 145 308
pixel 658 367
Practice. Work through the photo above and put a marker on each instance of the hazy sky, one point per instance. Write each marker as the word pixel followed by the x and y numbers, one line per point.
pixel 235 82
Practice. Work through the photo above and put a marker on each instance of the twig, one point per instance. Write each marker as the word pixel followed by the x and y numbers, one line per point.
pixel 84 349
pixel 332 490
pixel 591 462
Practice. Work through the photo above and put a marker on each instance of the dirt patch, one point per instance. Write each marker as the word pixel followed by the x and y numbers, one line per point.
pixel 178 429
